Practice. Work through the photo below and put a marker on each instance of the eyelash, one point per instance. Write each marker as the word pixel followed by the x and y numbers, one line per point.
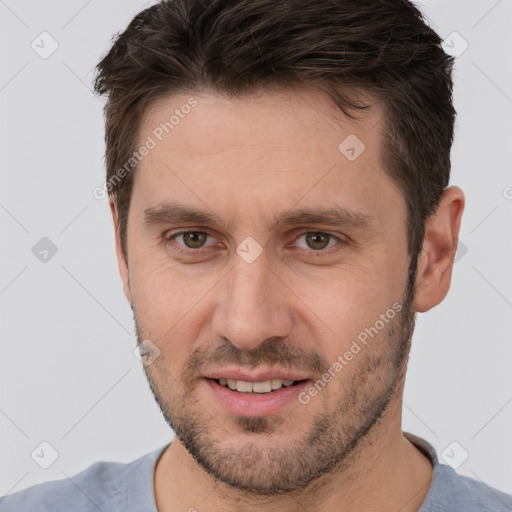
pixel 199 252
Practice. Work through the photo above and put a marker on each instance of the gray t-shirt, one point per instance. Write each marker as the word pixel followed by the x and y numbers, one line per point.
pixel 113 486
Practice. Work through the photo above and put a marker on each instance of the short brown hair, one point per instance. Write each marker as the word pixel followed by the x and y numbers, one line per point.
pixel 384 49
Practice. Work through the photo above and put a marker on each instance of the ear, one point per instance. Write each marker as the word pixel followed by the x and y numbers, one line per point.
pixel 435 261
pixel 121 261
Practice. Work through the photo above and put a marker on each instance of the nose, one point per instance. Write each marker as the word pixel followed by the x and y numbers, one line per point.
pixel 252 305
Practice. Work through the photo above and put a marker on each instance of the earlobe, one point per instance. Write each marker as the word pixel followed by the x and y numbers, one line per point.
pixel 121 260
pixel 435 262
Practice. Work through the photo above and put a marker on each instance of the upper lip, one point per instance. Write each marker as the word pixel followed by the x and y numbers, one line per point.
pixel 255 375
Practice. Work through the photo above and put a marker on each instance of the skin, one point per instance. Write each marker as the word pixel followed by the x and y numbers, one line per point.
pixel 244 160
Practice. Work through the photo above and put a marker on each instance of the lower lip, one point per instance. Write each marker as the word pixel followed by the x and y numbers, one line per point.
pixel 263 404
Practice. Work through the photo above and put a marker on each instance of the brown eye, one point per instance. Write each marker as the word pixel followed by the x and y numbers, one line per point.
pixel 194 239
pixel 191 244
pixel 317 241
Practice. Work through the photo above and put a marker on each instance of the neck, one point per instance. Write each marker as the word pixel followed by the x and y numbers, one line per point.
pixel 385 468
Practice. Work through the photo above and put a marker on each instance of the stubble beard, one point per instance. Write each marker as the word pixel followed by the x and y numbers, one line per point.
pixel 334 438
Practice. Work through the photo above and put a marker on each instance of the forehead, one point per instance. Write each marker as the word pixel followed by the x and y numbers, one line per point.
pixel 280 147
pixel 299 115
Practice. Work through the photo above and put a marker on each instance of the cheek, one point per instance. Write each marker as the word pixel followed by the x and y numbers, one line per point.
pixel 346 303
pixel 166 301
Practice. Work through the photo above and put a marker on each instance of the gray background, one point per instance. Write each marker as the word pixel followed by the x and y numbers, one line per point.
pixel 68 373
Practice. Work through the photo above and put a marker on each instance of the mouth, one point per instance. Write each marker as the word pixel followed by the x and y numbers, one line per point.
pixel 252 398
pixel 256 392
pixel 256 388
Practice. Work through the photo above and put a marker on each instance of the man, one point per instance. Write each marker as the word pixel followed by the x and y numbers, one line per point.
pixel 278 179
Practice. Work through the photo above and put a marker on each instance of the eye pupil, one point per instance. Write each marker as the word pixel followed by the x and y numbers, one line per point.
pixel 194 239
pixel 317 241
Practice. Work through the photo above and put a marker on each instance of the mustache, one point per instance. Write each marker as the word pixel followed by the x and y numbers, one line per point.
pixel 273 351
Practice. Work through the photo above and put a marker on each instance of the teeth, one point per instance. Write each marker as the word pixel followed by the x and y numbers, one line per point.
pixel 261 387
pixel 276 384
pixel 243 387
pixel 255 387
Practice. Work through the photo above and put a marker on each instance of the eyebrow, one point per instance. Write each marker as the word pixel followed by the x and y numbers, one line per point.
pixel 177 213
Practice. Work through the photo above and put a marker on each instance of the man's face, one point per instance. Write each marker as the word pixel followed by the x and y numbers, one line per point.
pixel 249 292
